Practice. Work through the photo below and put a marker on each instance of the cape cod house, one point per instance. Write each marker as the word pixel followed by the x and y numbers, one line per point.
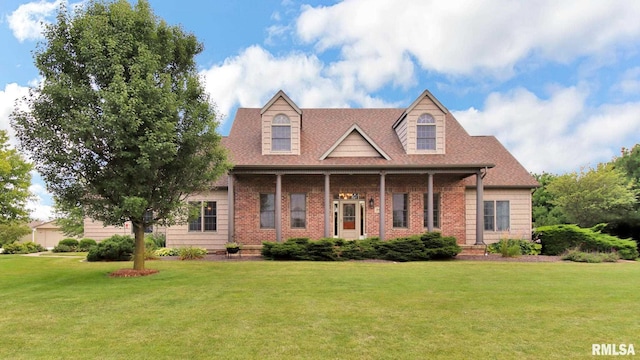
pixel 356 173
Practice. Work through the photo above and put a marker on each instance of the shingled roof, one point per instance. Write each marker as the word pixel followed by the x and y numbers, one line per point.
pixel 321 128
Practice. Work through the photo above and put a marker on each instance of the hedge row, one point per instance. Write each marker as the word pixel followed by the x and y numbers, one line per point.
pixel 556 239
pixel 115 248
pixel 426 246
pixel 22 248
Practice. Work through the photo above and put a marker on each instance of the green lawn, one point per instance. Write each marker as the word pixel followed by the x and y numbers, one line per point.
pixel 61 308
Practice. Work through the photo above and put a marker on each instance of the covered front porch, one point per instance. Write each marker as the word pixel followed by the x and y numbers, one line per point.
pixel 354 204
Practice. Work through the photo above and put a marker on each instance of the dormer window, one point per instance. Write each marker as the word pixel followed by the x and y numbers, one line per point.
pixel 426 132
pixel 281 133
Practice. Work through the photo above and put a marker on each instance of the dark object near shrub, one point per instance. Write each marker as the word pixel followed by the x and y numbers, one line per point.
pixel 419 247
pixel 86 244
pixel 22 248
pixel 115 248
pixel 557 239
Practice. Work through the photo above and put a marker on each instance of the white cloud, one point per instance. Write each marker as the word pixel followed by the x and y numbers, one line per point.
pixel 40 206
pixel 629 83
pixel 464 37
pixel 27 22
pixel 558 134
pixel 8 97
pixel 252 77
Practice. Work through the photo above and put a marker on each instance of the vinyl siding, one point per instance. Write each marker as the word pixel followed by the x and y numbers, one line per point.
pixel 354 145
pixel 429 107
pixel 97 231
pixel 280 106
pixel 519 208
pixel 401 131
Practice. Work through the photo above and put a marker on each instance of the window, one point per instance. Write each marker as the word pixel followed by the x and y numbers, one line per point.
pixel 203 216
pixel 426 132
pixel 298 210
pixel 400 210
pixel 436 209
pixel 267 211
pixel 497 216
pixel 281 133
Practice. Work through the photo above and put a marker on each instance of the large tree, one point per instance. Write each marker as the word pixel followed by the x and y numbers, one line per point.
pixel 593 196
pixel 544 211
pixel 15 179
pixel 120 124
pixel 69 219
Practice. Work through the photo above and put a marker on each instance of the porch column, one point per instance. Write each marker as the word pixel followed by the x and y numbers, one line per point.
pixel 479 209
pixel 278 212
pixel 231 208
pixel 382 207
pixel 430 203
pixel 327 206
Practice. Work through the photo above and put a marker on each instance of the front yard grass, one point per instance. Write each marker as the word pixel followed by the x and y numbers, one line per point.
pixel 67 309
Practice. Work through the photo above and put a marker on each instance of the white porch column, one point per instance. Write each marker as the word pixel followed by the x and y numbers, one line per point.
pixel 479 209
pixel 430 202
pixel 278 212
pixel 231 208
pixel 382 205
pixel 327 206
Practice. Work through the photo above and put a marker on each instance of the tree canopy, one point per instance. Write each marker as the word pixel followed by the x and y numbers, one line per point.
pixel 121 125
pixel 15 179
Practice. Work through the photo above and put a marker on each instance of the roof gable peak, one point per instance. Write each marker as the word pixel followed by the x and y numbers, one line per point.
pixel 281 94
pixel 359 131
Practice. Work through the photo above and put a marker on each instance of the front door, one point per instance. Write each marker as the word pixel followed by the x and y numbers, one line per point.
pixel 349 220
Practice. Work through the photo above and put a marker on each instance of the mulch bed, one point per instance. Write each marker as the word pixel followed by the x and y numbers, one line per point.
pixel 132 272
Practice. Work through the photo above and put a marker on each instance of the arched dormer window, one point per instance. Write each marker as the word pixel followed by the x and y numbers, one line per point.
pixel 426 132
pixel 281 133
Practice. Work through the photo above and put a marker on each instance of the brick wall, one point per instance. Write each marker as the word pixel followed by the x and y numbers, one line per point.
pixel 249 187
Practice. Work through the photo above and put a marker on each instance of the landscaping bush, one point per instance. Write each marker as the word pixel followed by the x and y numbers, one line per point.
pixel 86 244
pixel 191 253
pixel 517 246
pixel 166 252
pixel 159 240
pixel 557 239
pixel 22 248
pixel 115 248
pixel 589 257
pixel 61 248
pixel 414 248
pixel 70 242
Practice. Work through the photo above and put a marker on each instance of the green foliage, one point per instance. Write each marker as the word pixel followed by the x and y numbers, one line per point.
pixel 15 179
pixel 22 248
pixel 557 239
pixel 69 242
pixel 67 245
pixel 115 248
pixel 167 252
pixel 61 248
pixel 590 257
pixel 13 231
pixel 191 253
pixel 120 124
pixel 544 211
pixel 86 244
pixel 525 247
pixel 159 240
pixel 414 248
pixel 70 219
pixel 593 196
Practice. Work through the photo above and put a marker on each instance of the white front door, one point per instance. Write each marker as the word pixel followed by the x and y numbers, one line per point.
pixel 349 220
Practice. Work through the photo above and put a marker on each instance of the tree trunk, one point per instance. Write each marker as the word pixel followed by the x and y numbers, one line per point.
pixel 138 254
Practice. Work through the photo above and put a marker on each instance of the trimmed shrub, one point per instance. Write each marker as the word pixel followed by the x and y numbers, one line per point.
pixel 191 253
pixel 86 244
pixel 557 239
pixel 589 257
pixel 61 248
pixel 70 242
pixel 414 248
pixel 22 248
pixel 115 248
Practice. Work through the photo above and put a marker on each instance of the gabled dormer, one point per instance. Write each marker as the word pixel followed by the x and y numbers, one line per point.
pixel 421 128
pixel 281 123
pixel 355 143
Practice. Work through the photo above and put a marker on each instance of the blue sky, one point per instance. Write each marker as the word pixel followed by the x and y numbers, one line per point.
pixel 558 82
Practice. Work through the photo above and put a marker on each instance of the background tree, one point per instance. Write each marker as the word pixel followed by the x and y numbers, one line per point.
pixel 593 196
pixel 629 163
pixel 15 179
pixel 121 124
pixel 69 219
pixel 544 211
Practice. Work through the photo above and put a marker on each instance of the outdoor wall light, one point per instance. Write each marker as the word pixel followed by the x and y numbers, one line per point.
pixel 371 203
